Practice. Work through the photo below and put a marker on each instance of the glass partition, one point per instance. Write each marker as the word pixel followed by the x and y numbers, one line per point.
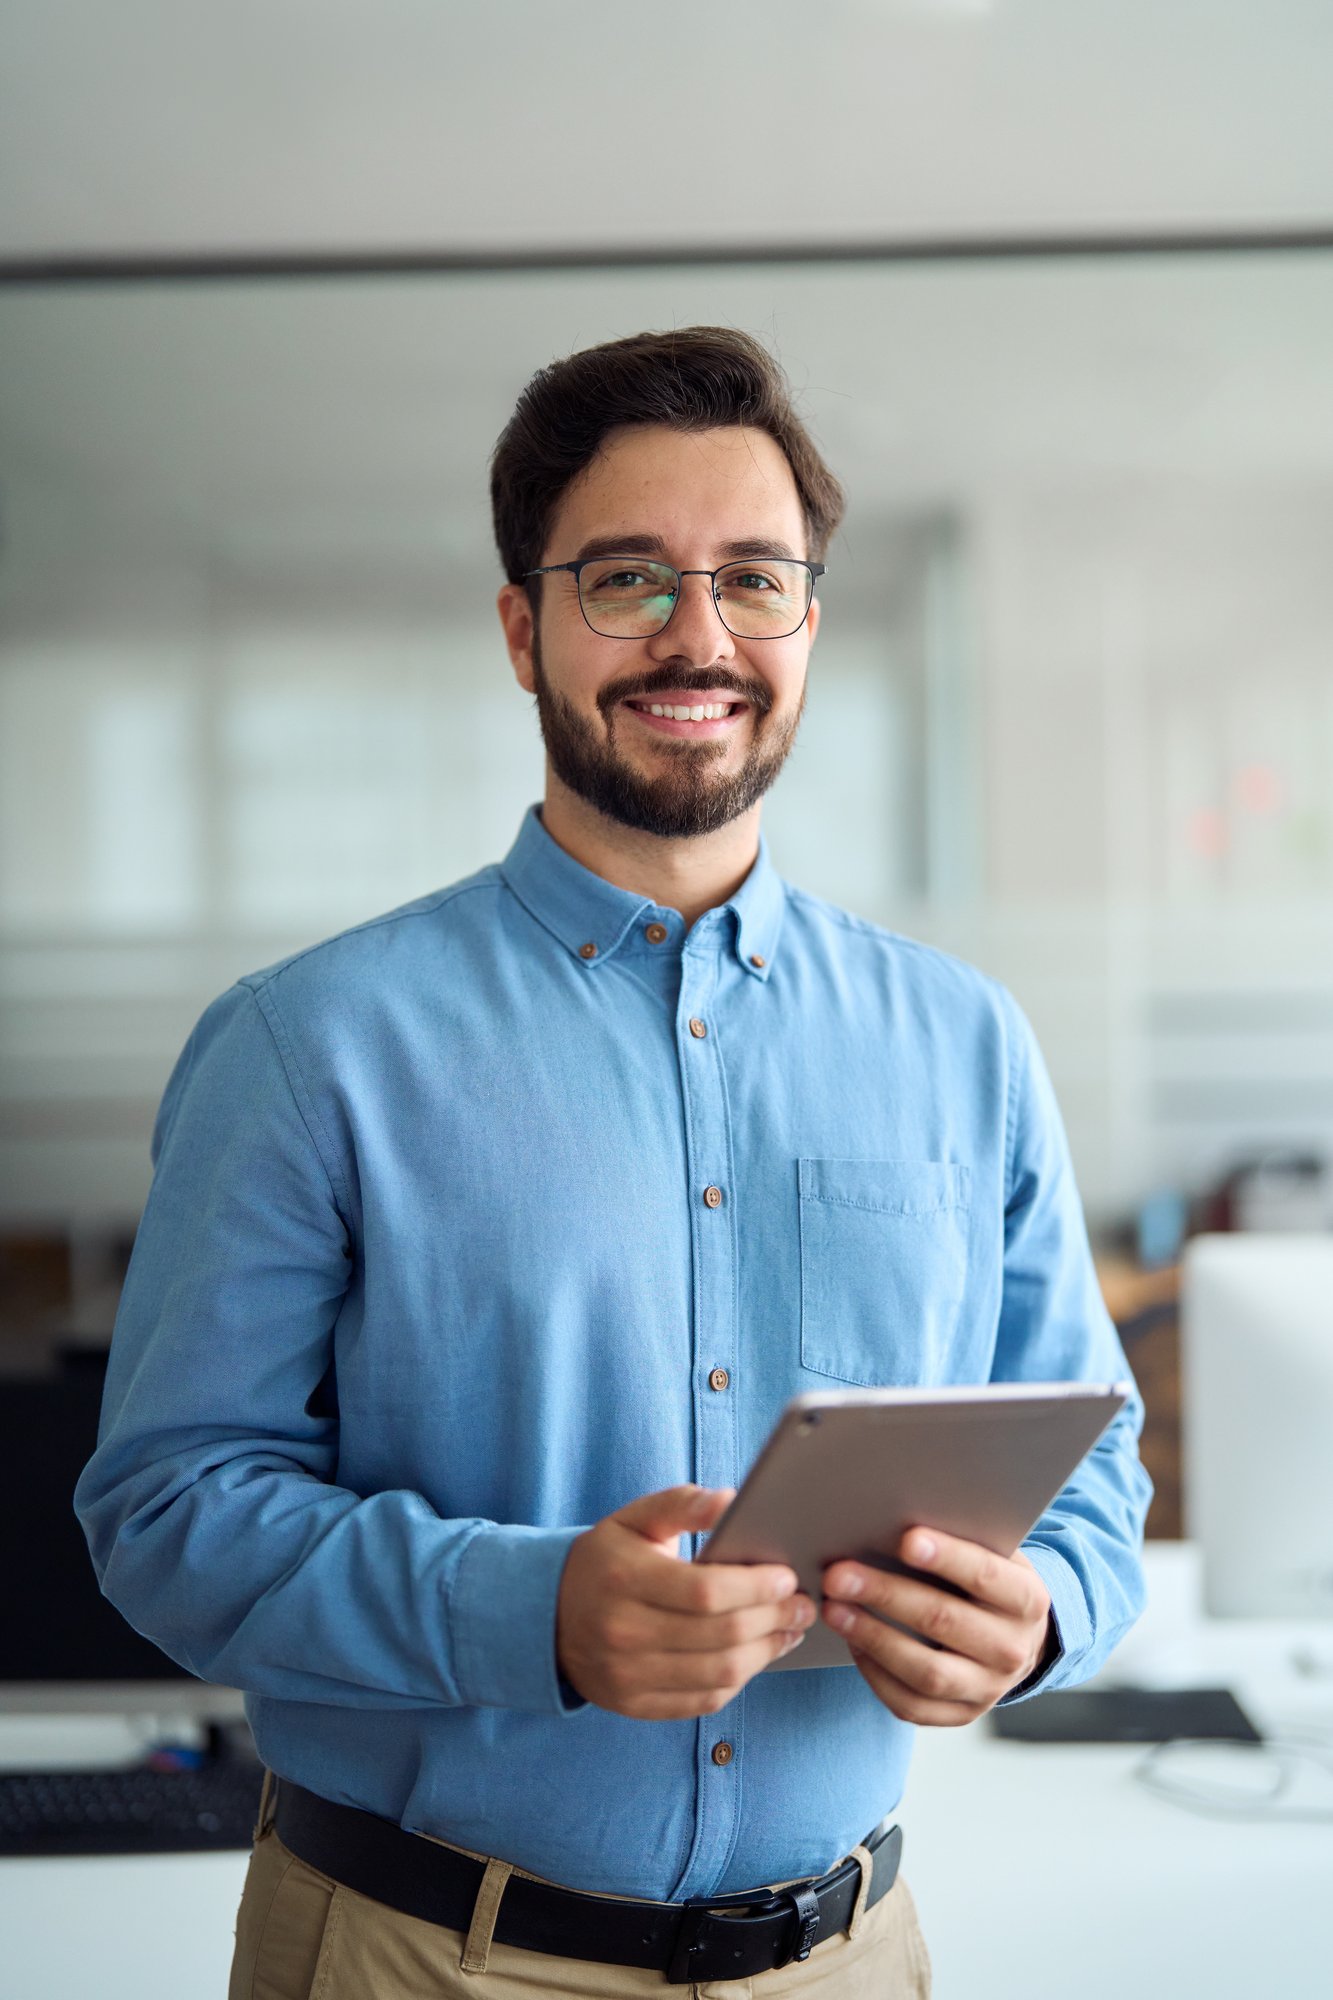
pixel 1071 710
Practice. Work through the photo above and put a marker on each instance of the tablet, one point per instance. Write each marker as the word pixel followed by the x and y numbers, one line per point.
pixel 847 1472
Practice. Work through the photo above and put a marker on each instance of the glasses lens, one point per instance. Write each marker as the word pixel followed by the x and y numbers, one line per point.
pixel 764 600
pixel 626 598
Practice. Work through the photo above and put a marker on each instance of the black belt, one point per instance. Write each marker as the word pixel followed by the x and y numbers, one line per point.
pixel 710 1937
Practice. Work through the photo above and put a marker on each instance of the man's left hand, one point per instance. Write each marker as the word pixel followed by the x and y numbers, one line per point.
pixel 984 1643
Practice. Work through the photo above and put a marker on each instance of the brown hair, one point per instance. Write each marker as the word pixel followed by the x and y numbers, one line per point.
pixel 697 378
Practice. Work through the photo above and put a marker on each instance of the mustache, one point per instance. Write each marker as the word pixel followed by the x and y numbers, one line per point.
pixel 690 680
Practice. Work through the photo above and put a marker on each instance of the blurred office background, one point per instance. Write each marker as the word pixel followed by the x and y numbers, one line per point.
pixel 1071 713
pixel 273 277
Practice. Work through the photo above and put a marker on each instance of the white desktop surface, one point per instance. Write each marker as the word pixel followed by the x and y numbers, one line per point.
pixel 1039 1871
pixel 1043 1870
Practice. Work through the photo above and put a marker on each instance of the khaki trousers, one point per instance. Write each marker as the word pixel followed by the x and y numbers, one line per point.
pixel 301 1936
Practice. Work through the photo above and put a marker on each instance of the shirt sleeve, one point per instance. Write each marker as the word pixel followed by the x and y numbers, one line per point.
pixel 1054 1326
pixel 212 1505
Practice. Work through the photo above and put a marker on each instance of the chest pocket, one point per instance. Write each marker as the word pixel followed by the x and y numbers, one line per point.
pixel 883 1268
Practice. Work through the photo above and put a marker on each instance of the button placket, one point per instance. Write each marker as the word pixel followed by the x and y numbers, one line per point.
pixel 717 1447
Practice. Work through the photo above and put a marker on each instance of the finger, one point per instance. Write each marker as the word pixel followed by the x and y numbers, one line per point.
pixel 653 1631
pixel 722 1673
pixel 683 1705
pixel 1000 1581
pixel 907 1703
pixel 927 1670
pixel 675 1511
pixel 707 1589
pixel 991 1638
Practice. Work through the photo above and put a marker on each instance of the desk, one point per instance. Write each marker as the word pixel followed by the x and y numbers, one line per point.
pixel 1040 1872
pixel 1043 1870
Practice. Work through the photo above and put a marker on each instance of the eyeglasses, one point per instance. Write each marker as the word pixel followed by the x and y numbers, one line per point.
pixel 624 597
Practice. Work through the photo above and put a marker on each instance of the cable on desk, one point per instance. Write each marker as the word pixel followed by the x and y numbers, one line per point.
pixel 1276 1763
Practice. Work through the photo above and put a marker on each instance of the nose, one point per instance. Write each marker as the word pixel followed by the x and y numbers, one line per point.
pixel 694 631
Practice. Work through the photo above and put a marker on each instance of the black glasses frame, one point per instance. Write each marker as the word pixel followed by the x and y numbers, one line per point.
pixel 575 569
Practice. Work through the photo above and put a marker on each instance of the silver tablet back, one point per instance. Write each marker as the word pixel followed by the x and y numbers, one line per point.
pixel 846 1473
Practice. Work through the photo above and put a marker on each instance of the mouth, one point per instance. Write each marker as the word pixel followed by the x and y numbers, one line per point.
pixel 685 714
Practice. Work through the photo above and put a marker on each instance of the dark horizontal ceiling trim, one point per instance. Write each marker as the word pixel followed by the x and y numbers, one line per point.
pixel 187 267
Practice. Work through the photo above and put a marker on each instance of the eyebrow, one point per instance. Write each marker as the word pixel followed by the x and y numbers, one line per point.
pixel 653 545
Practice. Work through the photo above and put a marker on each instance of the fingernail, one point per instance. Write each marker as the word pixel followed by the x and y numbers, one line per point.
pixel 804 1614
pixel 786 1585
pixel 840 1618
pixel 851 1584
pixel 796 1639
pixel 922 1549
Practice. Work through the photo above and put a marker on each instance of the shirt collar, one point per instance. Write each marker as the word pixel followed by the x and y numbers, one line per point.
pixel 758 905
pixel 592 917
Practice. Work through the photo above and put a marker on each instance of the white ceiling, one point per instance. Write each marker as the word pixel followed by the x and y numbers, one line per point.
pixel 159 126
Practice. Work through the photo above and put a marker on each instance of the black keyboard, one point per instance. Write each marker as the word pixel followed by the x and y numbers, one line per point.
pixel 139 1811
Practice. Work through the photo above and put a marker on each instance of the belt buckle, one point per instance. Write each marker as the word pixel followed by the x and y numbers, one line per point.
pixel 800 1901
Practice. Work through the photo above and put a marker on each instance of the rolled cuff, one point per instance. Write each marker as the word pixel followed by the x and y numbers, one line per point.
pixel 502 1610
pixel 1069 1610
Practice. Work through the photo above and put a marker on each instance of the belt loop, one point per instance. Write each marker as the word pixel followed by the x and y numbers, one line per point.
pixel 865 1861
pixel 268 1799
pixel 477 1950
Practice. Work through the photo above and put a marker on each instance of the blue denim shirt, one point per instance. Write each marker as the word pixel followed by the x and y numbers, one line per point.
pixel 427 1283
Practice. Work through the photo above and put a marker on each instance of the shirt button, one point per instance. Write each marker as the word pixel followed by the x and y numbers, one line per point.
pixel 718 1379
pixel 713 1197
pixel 656 933
pixel 698 1029
pixel 587 951
pixel 722 1753
pixel 758 960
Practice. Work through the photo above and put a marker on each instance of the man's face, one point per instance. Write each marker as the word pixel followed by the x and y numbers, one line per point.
pixel 695 500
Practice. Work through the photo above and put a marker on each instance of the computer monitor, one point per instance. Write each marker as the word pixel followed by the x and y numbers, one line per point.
pixel 62 1645
pixel 1257 1411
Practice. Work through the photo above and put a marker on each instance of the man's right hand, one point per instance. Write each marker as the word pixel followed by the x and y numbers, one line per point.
pixel 645 1634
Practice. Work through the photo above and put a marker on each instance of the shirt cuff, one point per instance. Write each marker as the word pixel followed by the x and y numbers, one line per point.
pixel 1069 1614
pixel 502 1606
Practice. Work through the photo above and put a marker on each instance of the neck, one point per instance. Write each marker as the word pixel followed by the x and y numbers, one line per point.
pixel 686 875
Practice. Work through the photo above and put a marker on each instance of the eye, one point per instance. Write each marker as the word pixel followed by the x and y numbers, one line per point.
pixel 628 580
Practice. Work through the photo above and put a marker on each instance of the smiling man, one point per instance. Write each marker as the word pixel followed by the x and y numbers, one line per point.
pixel 616 740
pixel 669 697
pixel 488 1240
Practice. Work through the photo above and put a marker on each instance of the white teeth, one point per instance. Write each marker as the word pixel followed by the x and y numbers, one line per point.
pixel 711 711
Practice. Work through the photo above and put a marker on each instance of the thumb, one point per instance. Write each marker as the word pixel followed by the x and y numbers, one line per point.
pixel 677 1510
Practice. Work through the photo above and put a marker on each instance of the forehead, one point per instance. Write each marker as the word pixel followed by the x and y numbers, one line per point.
pixel 696 489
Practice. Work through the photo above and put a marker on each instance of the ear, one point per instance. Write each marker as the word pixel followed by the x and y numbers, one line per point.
pixel 515 609
pixel 812 619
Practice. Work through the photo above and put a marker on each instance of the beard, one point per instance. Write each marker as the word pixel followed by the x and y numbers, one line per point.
pixel 691 797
